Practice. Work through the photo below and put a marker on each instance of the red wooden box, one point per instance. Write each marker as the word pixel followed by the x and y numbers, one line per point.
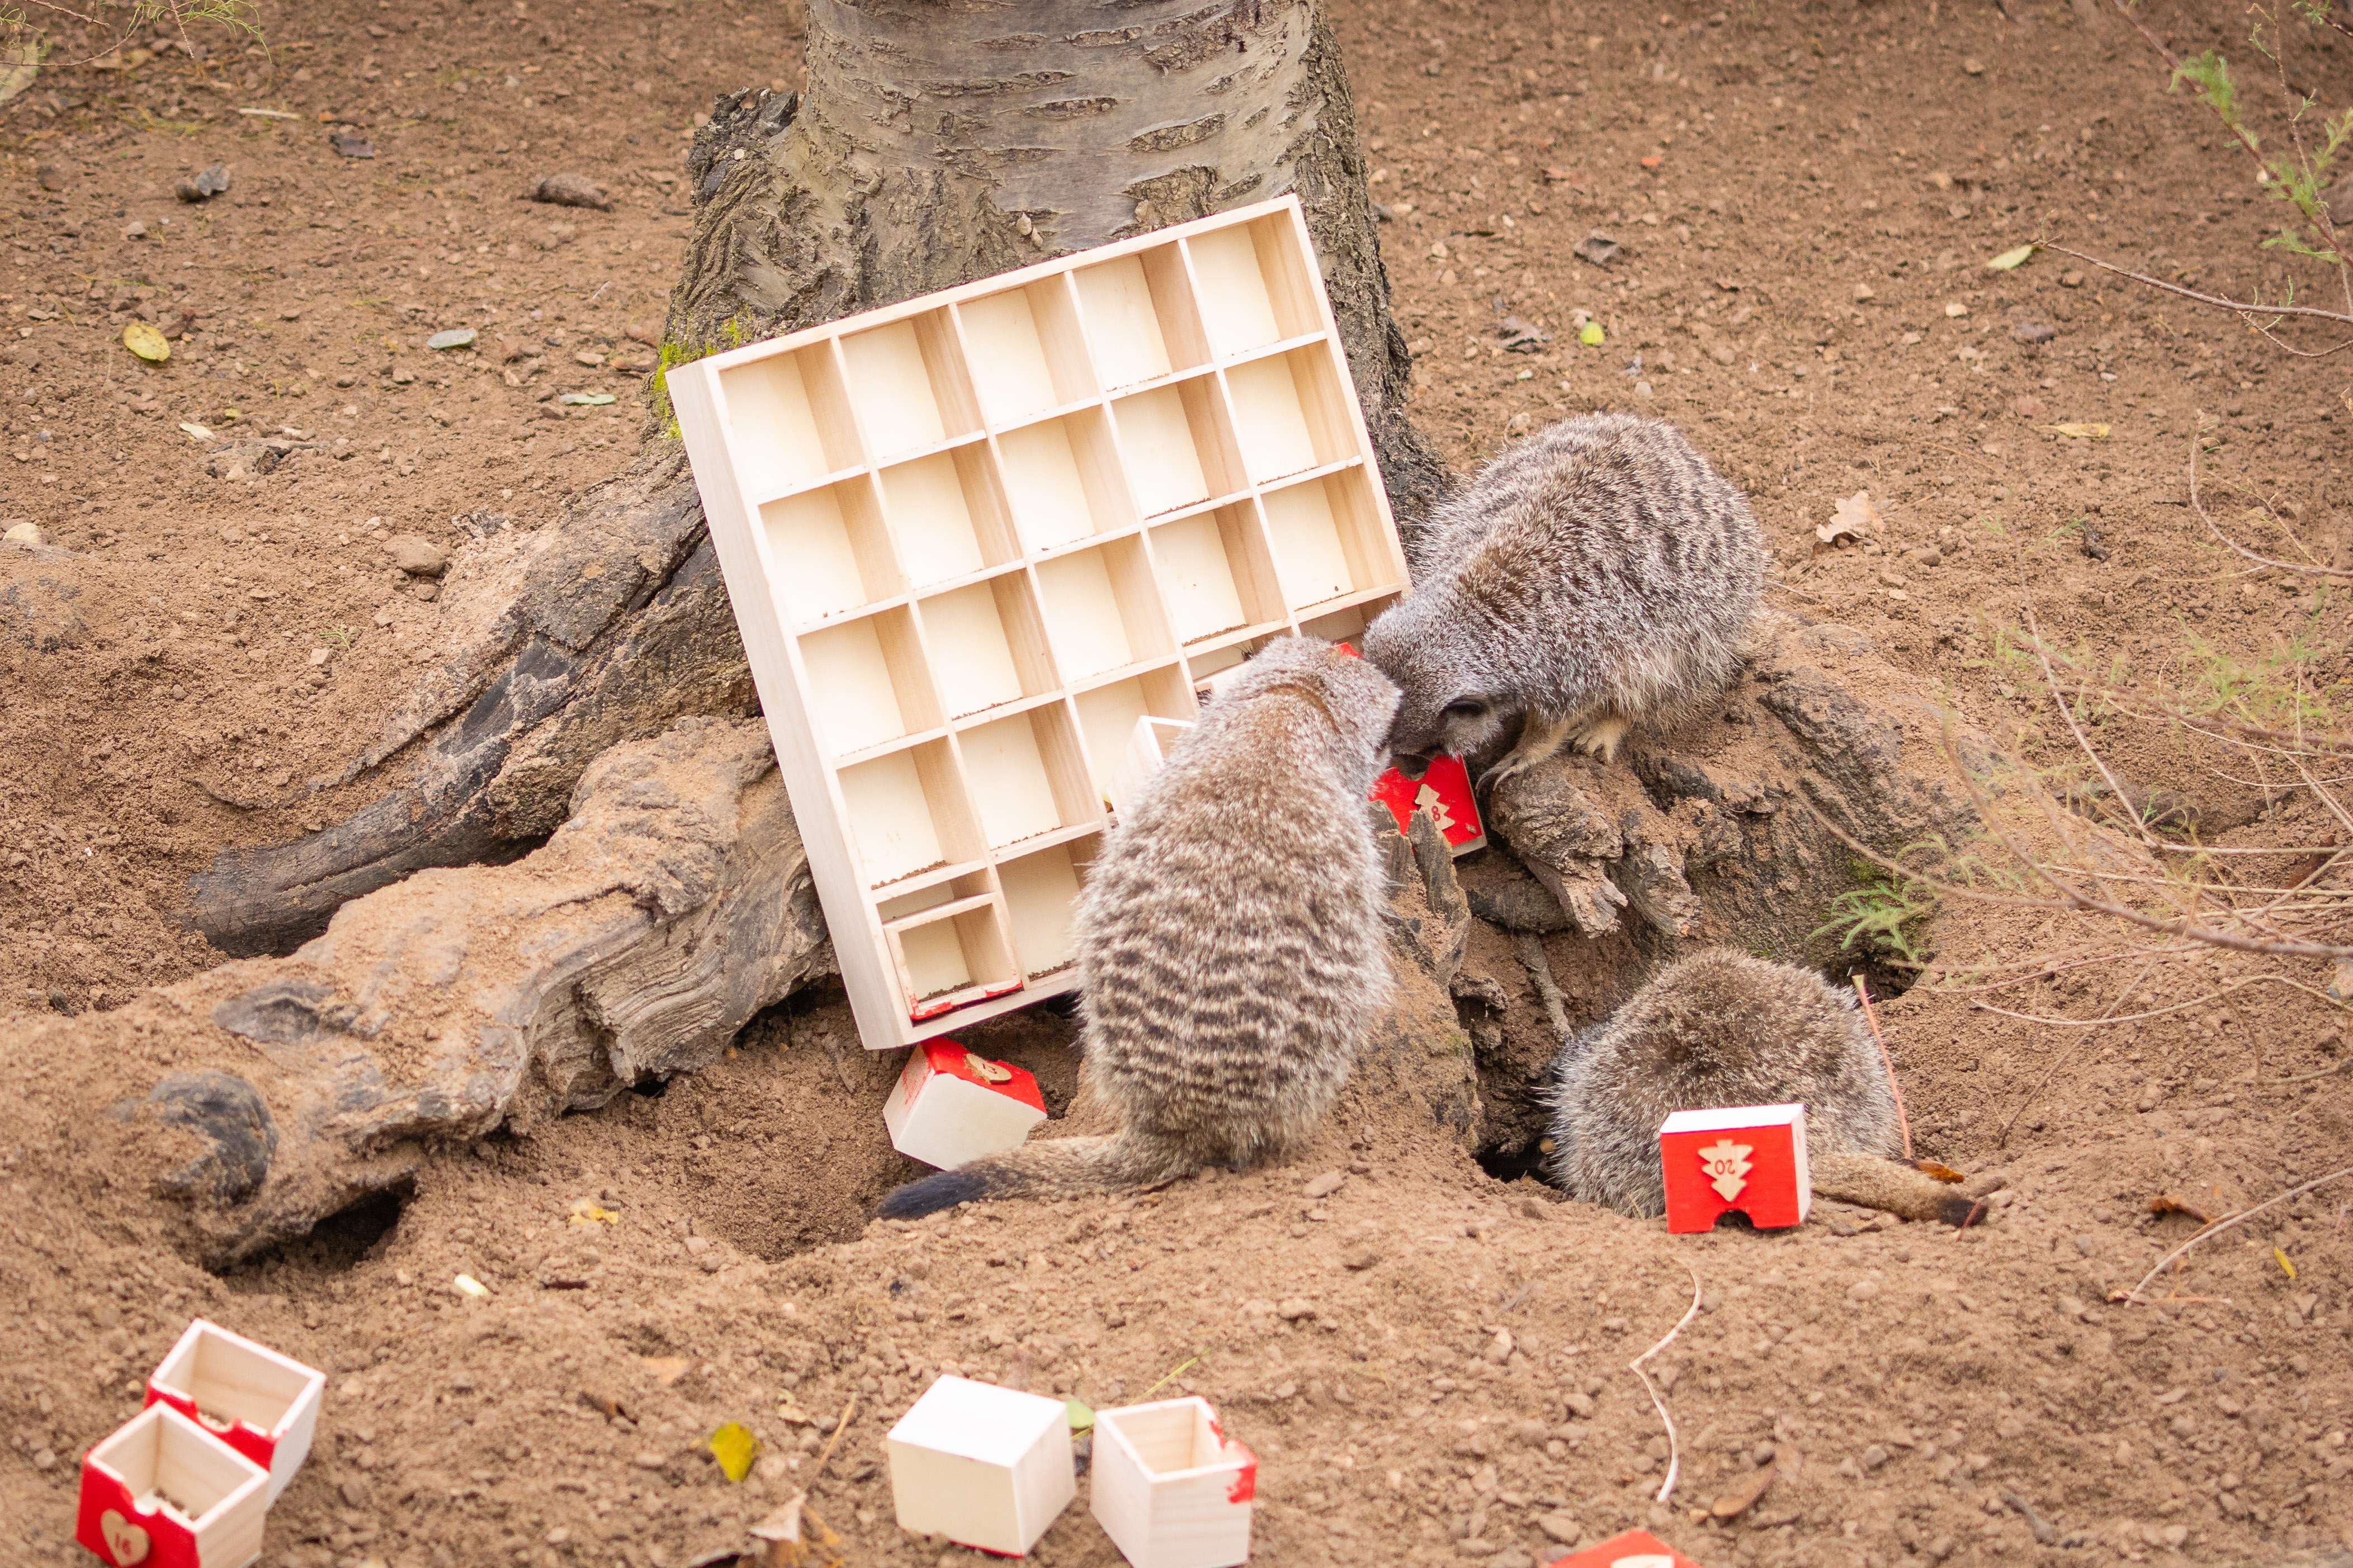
pixel 1751 1158
pixel 951 1106
pixel 1445 793
pixel 1635 1548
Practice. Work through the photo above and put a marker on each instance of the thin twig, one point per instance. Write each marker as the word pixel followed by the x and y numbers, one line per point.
pixel 1674 1449
pixel 2134 1295
pixel 841 1429
pixel 2073 900
pixel 2198 504
pixel 1539 967
pixel 2239 306
pixel 2003 1141
pixel 1863 994
pixel 2200 1001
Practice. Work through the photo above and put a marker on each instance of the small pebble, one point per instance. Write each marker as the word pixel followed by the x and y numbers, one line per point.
pixel 417 557
pixel 1863 1290
pixel 569 191
pixel 1580 1405
pixel 1325 1185
pixel 2034 331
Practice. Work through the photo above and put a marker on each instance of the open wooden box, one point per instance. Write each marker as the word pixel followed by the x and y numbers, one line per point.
pixel 162 1490
pixel 972 539
pixel 262 1404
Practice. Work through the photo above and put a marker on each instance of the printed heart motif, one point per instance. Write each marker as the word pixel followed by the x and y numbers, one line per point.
pixel 992 1072
pixel 125 1542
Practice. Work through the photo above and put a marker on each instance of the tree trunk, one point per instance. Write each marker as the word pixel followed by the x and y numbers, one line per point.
pixel 936 143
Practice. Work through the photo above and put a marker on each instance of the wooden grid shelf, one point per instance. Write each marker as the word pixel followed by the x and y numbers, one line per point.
pixel 973 539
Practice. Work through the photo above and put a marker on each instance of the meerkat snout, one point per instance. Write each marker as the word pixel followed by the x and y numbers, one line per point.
pixel 1446 710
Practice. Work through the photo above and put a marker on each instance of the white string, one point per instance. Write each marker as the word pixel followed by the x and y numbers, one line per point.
pixel 1674 1449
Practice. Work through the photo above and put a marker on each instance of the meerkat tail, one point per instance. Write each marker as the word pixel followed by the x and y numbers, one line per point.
pixel 1874 1182
pixel 1056 1168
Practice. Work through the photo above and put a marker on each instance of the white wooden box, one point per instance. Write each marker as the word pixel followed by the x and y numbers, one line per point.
pixel 262 1404
pixel 1171 1489
pixel 951 1106
pixel 973 537
pixel 164 1491
pixel 984 1466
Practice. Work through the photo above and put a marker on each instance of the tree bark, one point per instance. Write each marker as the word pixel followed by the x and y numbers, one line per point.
pixel 938 142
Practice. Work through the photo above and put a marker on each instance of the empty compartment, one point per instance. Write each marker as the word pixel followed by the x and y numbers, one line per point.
pixel 1063 479
pixel 952 954
pixel 1330 539
pixel 1107 717
pixel 260 1403
pixel 1349 625
pixel 908 813
pixel 1025 351
pixel 163 1488
pixel 830 552
pixel 1139 317
pixel 1255 285
pixel 1177 447
pixel 1147 749
pixel 988 645
pixel 867 683
pixel 907 382
pixel 1290 414
pixel 1026 776
pixel 1215 574
pixel 789 421
pixel 948 516
pixel 1102 610
pixel 1039 889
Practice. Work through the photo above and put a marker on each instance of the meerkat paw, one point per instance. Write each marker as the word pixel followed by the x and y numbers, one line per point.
pixel 1601 738
pixel 1539 740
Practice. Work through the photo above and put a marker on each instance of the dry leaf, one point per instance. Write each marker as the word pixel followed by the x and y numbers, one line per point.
pixel 1745 1496
pixel 2081 432
pixel 604 1404
pixel 1855 517
pixel 2285 1262
pixel 2164 1205
pixel 1942 1172
pixel 146 342
pixel 794 1416
pixel 588 1211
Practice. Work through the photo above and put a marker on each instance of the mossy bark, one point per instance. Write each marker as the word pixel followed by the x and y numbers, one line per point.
pixel 935 143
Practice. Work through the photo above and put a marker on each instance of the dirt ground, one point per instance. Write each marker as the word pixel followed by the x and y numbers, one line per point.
pixel 1431 1362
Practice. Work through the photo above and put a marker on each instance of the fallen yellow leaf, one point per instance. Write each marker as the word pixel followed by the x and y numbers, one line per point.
pixel 146 342
pixel 2081 431
pixel 588 1211
pixel 2284 1262
pixel 735 1448
pixel 196 432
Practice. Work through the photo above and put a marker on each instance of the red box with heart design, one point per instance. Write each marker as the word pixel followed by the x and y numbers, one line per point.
pixel 952 1105
pixel 1635 1548
pixel 162 1492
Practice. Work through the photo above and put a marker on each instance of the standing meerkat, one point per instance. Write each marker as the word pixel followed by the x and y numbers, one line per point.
pixel 1720 1028
pixel 1598 575
pixel 1229 940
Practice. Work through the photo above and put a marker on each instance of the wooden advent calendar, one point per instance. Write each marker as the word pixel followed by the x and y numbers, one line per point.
pixel 973 539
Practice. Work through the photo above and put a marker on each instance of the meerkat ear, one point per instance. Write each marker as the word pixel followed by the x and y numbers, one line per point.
pixel 1465 707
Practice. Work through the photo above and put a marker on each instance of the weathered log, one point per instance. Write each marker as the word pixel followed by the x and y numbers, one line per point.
pixel 934 145
pixel 1710 832
pixel 673 905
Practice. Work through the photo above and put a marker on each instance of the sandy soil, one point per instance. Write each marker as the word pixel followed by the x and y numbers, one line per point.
pixel 1805 201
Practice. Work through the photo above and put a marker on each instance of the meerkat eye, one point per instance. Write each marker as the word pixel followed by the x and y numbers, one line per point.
pixel 1465 708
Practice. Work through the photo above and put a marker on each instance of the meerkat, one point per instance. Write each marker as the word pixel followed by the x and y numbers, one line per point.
pixel 1229 940
pixel 1598 575
pixel 1721 1029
